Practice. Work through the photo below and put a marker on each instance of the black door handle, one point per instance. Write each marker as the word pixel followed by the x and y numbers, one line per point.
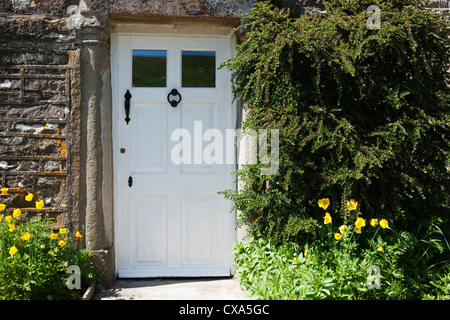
pixel 127 106
pixel 174 92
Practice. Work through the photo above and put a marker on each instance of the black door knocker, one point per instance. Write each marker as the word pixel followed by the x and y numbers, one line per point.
pixel 174 92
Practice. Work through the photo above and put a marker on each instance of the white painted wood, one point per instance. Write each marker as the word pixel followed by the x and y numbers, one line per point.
pixel 171 222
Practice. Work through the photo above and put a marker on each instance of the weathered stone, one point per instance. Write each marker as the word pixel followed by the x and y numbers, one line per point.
pixel 33 6
pixel 52 166
pixel 34 110
pixel 182 8
pixel 25 58
pixel 46 111
pixel 20 166
pixel 20 181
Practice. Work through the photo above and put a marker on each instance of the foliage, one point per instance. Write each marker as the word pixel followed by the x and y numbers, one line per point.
pixel 359 112
pixel 341 264
pixel 34 258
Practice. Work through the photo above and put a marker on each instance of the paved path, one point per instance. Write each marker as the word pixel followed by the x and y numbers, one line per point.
pixel 173 289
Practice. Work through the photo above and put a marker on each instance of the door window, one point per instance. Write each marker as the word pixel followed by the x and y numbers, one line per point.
pixel 149 68
pixel 198 69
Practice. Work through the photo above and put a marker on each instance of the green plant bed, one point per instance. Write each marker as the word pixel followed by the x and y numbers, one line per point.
pixel 286 272
pixel 353 261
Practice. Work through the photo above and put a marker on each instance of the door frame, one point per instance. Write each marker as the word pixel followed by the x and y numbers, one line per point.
pixel 118 100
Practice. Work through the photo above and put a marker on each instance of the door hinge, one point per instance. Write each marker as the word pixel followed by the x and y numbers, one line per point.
pixel 130 181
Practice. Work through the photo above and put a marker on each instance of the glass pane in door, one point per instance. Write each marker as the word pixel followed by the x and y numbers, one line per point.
pixel 149 68
pixel 198 69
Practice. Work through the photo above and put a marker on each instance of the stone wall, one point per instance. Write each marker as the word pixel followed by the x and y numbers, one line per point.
pixel 36 82
pixel 440 6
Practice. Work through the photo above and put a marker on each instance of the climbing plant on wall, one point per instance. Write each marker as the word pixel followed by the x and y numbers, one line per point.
pixel 361 112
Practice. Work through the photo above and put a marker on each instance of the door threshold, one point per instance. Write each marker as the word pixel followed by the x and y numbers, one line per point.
pixel 188 272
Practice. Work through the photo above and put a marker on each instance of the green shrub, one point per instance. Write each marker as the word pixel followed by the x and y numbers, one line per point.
pixel 360 112
pixel 34 259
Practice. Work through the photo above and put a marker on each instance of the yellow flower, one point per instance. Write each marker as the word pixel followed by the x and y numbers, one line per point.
pixel 360 222
pixel 352 204
pixel 78 234
pixel 2 207
pixel 384 224
pixel 63 153
pixel 358 230
pixel 327 218
pixel 53 235
pixel 62 230
pixel 337 236
pixel 4 191
pixel 374 222
pixel 25 236
pixel 61 243
pixel 306 254
pixel 39 204
pixel 12 227
pixel 8 218
pixel 380 249
pixel 13 250
pixel 1 218
pixel 343 229
pixel 16 213
pixel 29 197
pixel 324 203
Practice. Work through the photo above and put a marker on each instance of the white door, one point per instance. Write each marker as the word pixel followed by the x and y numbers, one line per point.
pixel 169 219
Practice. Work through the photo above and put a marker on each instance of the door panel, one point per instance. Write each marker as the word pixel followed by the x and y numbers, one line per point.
pixel 151 229
pixel 150 155
pixel 197 118
pixel 198 216
pixel 171 221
